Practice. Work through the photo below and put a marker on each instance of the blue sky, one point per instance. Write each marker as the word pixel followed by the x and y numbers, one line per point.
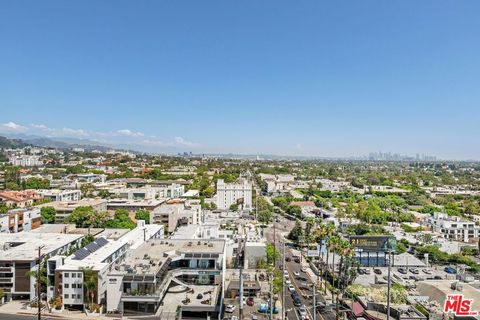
pixel 334 78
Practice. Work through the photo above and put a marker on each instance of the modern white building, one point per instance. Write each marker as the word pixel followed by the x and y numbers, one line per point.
pixel 101 255
pixel 60 195
pixel 19 255
pixel 26 161
pixel 155 278
pixel 454 228
pixel 239 192
pixel 18 220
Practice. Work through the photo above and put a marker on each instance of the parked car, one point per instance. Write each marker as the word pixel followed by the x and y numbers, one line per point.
pixel 367 271
pixel 296 274
pixel 297 260
pixel 291 288
pixel 303 269
pixel 250 301
pixel 288 259
pixel 402 270
pixel 230 308
pixel 427 271
pixel 414 270
pixel 254 317
pixel 377 271
pixel 361 271
pixel 450 270
pixel 287 281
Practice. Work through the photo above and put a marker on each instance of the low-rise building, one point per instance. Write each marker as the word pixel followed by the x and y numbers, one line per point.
pixel 19 199
pixel 18 220
pixel 161 275
pixel 65 208
pixel 101 256
pixel 26 161
pixel 175 213
pixel 134 205
pixel 453 228
pixel 60 195
pixel 19 254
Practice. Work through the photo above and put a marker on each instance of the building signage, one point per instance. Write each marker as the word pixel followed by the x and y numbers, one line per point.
pixel 374 243
pixel 312 253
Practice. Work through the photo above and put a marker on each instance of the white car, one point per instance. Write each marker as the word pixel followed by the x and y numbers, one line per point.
pixel 427 271
pixel 296 274
pixel 285 273
pixel 302 311
pixel 230 308
pixel 304 269
pixel 291 288
pixel 287 281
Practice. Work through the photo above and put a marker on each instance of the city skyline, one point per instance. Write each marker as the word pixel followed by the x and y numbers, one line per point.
pixel 321 79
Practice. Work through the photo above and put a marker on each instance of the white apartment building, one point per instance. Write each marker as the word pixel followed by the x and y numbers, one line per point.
pixel 454 228
pixel 101 256
pixel 60 195
pixel 18 220
pixel 278 183
pixel 234 193
pixel 26 161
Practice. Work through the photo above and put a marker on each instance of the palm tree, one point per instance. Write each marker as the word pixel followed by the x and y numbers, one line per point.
pixel 90 283
pixel 346 252
pixel 333 246
pixel 321 233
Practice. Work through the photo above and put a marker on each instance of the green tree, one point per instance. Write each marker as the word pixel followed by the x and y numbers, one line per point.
pixel 265 216
pixel 234 207
pixel 36 183
pixel 90 284
pixel 143 215
pixel 47 214
pixel 121 220
pixel 296 234
pixel 82 216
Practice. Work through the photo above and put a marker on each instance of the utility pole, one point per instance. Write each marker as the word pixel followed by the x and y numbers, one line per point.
pixel 39 286
pixel 284 312
pixel 389 283
pixel 274 243
pixel 314 303
pixel 241 293
pixel 271 295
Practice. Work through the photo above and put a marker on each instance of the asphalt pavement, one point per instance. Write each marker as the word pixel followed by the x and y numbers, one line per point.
pixel 304 283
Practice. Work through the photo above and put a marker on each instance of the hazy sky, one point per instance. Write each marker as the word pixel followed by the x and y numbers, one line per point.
pixel 333 78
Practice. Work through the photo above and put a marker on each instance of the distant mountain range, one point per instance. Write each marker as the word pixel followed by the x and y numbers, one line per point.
pixel 23 140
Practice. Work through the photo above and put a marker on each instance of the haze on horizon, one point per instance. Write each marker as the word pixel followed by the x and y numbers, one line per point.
pixel 331 79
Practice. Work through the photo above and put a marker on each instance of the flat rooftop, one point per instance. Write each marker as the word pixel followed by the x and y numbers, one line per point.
pixel 71 205
pixel 133 203
pixel 25 244
pixel 157 251
pixel 106 247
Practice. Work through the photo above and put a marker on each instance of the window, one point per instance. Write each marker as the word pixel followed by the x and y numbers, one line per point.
pixel 65 296
pixel 79 275
pixel 74 275
pixel 66 274
pixel 66 285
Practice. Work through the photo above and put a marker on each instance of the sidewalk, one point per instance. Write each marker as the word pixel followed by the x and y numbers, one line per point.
pixel 21 308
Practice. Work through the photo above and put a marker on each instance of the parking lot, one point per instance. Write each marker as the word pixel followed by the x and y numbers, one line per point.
pixel 397 273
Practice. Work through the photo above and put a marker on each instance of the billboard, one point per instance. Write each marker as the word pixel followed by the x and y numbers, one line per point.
pixel 374 243
pixel 312 253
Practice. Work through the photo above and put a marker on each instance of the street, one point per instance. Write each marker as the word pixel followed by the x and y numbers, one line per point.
pixel 304 283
